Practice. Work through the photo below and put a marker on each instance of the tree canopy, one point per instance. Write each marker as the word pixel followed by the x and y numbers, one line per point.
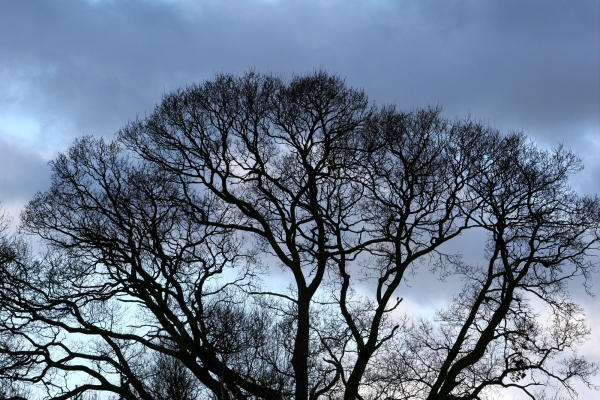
pixel 168 247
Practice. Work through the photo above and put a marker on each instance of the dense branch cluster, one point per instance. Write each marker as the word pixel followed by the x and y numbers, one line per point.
pixel 249 238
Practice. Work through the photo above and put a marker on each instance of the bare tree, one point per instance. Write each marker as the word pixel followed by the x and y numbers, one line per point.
pixel 163 241
pixel 13 250
pixel 171 380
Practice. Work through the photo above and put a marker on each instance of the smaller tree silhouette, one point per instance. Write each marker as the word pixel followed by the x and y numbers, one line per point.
pixel 12 250
pixel 170 379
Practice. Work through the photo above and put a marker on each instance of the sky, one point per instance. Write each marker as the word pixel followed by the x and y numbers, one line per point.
pixel 74 68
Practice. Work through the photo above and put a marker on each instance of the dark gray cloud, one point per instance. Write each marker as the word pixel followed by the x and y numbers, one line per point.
pixel 73 68
pixel 531 65
pixel 21 174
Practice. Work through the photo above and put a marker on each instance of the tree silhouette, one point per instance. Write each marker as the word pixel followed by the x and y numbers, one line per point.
pixel 171 380
pixel 175 239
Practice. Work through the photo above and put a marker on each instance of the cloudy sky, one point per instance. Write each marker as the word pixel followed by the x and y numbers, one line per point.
pixel 73 68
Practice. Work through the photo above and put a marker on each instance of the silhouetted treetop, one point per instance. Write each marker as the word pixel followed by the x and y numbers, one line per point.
pixel 249 238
